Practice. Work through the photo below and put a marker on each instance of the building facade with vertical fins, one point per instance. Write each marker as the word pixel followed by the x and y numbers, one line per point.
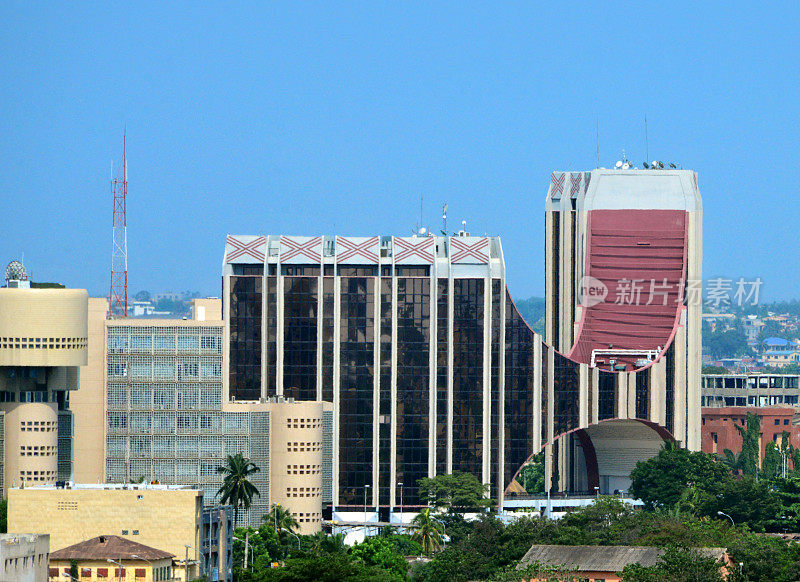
pixel 430 369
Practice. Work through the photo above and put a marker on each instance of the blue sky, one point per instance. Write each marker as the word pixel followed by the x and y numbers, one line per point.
pixel 334 118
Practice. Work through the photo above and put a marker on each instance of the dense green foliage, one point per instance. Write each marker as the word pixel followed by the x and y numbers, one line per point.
pixel 459 490
pixel 689 497
pixel 531 476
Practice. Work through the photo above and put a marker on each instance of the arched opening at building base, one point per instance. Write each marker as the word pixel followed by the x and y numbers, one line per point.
pixel 593 460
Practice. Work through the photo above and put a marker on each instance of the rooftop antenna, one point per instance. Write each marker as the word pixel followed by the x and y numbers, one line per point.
pixel 118 295
pixel 420 210
pixel 444 219
pixel 646 140
pixel 597 141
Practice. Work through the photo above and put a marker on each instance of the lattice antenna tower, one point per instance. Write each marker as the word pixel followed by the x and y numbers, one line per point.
pixel 118 295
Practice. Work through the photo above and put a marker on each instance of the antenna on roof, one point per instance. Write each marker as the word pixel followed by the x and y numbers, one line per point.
pixel 646 140
pixel 597 141
pixel 444 219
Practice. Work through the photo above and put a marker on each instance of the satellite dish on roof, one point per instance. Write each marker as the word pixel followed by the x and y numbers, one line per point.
pixel 422 230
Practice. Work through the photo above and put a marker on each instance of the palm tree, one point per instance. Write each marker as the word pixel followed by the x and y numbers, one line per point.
pixel 428 533
pixel 237 489
pixel 282 518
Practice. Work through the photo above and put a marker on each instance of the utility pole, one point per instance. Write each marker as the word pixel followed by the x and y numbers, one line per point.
pixel 246 547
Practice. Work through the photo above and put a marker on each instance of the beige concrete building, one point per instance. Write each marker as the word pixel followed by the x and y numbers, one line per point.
pixel 24 557
pixel 43 343
pixel 151 406
pixel 165 517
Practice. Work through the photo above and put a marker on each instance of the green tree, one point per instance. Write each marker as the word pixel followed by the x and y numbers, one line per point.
pixel 661 480
pixel 747 501
pixel 748 457
pixel 378 551
pixel 237 490
pixel 3 515
pixel 428 532
pixel 456 490
pixel 73 569
pixel 325 568
pixel 281 519
pixel 715 370
pixel 531 476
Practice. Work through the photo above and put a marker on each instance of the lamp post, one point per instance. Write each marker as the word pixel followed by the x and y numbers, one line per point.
pixel 444 528
pixel 366 488
pixel 119 570
pixel 186 563
pixel 597 491
pixel 401 503
pixel 275 515
pixel 295 537
pixel 728 516
pixel 246 543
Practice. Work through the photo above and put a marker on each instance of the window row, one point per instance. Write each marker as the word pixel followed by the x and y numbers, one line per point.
pixel 43 343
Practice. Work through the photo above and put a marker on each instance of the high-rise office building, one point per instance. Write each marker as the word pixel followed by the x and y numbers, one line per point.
pixel 431 369
pixel 352 367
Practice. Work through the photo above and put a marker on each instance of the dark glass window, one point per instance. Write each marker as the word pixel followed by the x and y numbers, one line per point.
pixel 357 324
pixel 442 320
pixel 271 369
pixel 606 395
pixel 494 377
pixel 556 275
pixel 245 337
pixel 412 271
pixel 545 390
pixel 669 389
pixel 327 337
pixel 255 270
pixel 358 271
pixel 642 393
pixel 385 398
pixel 300 338
pixel 565 394
pixel 300 270
pixel 468 375
pixel 519 391
pixel 413 353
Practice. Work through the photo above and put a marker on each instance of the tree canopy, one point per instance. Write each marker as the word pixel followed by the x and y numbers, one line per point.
pixel 457 490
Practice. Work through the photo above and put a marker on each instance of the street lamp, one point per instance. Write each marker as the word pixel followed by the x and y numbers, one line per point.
pixel 366 488
pixel 246 545
pixel 275 515
pixel 728 516
pixel 401 503
pixel 186 563
pixel 444 527
pixel 295 536
pixel 119 570
pixel 597 491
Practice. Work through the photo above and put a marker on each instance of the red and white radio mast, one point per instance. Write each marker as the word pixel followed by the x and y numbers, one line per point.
pixel 118 296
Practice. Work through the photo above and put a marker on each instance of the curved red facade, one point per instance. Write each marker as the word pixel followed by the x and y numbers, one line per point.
pixel 640 257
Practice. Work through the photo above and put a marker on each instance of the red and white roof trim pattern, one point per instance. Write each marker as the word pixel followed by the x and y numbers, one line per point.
pixel 469 249
pixel 301 249
pixel 575 183
pixel 587 176
pixel 557 180
pixel 413 250
pixel 357 250
pixel 245 249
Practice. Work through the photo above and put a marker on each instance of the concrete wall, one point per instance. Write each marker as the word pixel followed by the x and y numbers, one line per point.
pixel 23 557
pixel 43 327
pixel 166 519
pixel 89 403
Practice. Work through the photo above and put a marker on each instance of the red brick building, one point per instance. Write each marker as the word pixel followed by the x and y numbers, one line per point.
pixel 718 431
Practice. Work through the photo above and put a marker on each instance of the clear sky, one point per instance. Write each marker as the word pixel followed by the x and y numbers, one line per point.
pixel 334 118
